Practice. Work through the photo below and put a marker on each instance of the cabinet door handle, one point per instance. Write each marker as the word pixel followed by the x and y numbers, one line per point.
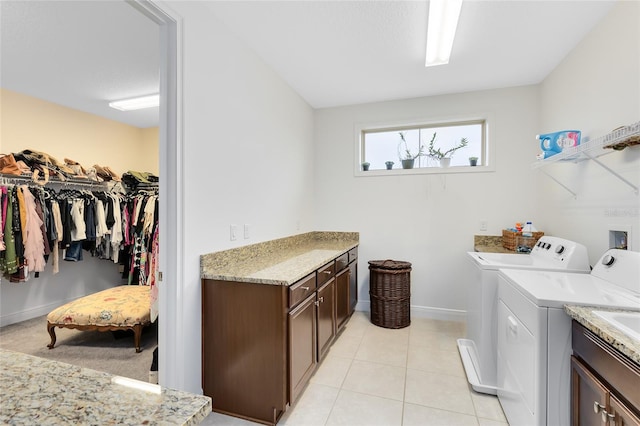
pixel 326 272
pixel 322 299
pixel 606 417
pixel 305 288
pixel 597 407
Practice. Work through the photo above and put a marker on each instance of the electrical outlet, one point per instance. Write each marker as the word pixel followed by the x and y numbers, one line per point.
pixel 233 232
pixel 483 225
pixel 246 231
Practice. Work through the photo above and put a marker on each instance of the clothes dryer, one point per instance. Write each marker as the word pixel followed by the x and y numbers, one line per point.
pixel 478 350
pixel 534 332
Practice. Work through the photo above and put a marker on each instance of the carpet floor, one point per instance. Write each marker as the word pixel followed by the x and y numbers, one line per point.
pixel 111 351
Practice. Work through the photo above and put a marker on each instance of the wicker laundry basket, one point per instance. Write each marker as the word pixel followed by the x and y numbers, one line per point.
pixel 390 293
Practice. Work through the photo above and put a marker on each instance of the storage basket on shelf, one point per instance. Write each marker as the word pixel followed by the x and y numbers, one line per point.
pixel 511 239
pixel 390 293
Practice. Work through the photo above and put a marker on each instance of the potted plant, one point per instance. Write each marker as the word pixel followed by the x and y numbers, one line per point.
pixel 473 161
pixel 389 165
pixel 406 157
pixel 365 166
pixel 444 157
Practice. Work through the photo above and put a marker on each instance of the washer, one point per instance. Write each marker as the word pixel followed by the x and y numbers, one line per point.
pixel 534 332
pixel 478 350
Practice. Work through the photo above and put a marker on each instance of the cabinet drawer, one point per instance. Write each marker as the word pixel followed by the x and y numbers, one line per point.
pixel 353 254
pixel 342 262
pixel 326 273
pixel 301 290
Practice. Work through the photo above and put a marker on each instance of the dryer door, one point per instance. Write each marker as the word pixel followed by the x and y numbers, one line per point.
pixel 521 359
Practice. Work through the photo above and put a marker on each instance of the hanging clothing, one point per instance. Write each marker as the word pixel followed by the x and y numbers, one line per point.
pixel 3 215
pixel 116 230
pixel 10 259
pixel 34 242
pixel 78 228
pixel 57 221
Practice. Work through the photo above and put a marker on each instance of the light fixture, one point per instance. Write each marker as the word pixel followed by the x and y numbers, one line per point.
pixel 443 20
pixel 136 103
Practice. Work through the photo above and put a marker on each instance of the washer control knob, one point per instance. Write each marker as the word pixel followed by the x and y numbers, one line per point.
pixel 560 249
pixel 608 260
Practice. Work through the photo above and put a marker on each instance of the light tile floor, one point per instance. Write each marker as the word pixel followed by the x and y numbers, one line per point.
pixel 378 376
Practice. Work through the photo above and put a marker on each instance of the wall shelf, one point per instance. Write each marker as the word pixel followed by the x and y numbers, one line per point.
pixel 592 149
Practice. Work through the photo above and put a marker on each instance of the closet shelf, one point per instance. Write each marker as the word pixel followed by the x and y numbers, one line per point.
pixel 27 179
pixel 615 141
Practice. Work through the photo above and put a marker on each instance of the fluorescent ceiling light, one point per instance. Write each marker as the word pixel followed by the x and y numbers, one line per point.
pixel 136 103
pixel 443 20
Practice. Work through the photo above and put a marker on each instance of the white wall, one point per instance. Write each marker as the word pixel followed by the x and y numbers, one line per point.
pixel 428 220
pixel 248 148
pixel 596 89
pixel 39 296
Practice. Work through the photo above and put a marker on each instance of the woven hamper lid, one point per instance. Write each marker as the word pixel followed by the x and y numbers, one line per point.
pixel 389 264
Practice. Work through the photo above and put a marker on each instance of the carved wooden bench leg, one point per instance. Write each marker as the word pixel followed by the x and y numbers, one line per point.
pixel 137 333
pixel 51 328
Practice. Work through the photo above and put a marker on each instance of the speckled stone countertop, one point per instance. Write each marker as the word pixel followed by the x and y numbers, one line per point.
pixel 37 391
pixel 489 244
pixel 625 344
pixel 278 262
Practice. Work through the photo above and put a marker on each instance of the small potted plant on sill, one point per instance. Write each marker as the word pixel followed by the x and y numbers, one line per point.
pixel 365 166
pixel 444 157
pixel 406 157
pixel 473 161
pixel 389 165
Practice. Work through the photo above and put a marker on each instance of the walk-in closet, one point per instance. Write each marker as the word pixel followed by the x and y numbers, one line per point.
pixel 95 196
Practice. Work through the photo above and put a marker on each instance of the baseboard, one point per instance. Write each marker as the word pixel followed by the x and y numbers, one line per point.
pixel 424 312
pixel 31 313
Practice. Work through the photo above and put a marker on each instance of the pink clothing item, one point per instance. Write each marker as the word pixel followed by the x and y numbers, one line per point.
pixel 3 193
pixel 33 242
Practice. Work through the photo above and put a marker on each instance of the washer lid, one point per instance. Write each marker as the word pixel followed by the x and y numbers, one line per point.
pixel 554 289
pixel 493 261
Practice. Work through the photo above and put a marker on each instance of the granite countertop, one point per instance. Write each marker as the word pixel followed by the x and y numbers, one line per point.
pixel 277 262
pixel 39 391
pixel 623 343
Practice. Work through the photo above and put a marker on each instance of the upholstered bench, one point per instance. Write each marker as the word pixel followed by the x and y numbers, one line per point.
pixel 126 307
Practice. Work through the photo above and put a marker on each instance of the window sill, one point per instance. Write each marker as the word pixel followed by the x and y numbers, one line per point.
pixel 424 171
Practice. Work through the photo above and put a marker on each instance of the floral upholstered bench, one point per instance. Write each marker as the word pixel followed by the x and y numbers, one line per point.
pixel 125 307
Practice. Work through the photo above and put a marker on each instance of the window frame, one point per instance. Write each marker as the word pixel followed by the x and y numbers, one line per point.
pixel 487 147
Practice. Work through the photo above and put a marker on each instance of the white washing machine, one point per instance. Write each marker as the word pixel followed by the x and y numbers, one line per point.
pixel 534 332
pixel 478 350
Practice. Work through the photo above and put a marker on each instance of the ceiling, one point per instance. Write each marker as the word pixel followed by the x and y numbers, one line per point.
pixel 83 54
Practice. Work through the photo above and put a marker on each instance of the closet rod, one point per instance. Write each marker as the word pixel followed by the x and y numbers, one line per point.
pixel 6 179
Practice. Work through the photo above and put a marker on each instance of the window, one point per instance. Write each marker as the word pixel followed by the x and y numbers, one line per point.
pixel 384 144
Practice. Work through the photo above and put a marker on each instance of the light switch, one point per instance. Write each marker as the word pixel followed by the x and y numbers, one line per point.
pixel 246 231
pixel 233 233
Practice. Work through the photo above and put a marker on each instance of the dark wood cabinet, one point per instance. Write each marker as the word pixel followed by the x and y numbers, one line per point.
pixel 261 343
pixel 353 285
pixel 589 395
pixel 302 345
pixel 244 349
pixel 605 385
pixel 622 414
pixel 343 304
pixel 325 300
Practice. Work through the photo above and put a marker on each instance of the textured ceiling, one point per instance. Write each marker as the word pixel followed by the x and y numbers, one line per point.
pixel 348 52
pixel 82 54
